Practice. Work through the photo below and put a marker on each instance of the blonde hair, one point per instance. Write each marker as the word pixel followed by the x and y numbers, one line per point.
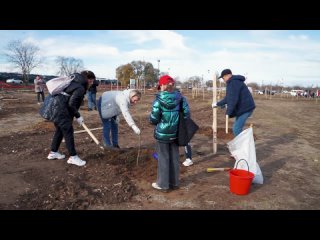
pixel 135 92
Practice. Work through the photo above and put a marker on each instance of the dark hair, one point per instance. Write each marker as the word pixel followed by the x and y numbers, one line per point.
pixel 88 74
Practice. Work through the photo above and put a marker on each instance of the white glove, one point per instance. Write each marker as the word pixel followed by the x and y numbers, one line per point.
pixel 136 129
pixel 214 105
pixel 80 120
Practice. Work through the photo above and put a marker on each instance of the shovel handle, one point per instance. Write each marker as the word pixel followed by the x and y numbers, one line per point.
pixel 217 169
pixel 90 133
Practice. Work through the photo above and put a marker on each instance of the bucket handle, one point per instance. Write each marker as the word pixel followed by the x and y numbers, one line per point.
pixel 246 163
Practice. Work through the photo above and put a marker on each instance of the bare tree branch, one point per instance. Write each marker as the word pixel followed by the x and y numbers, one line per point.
pixel 68 65
pixel 24 56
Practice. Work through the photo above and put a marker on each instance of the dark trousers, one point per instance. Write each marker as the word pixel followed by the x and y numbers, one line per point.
pixel 168 165
pixel 42 96
pixel 188 151
pixel 64 129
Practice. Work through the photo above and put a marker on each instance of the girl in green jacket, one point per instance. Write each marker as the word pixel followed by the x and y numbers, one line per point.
pixel 165 115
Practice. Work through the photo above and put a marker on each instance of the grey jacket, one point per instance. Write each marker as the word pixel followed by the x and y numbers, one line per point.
pixel 113 103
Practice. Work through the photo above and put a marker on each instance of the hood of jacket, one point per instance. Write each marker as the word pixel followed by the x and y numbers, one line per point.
pixel 237 78
pixel 126 94
pixel 169 100
pixel 165 115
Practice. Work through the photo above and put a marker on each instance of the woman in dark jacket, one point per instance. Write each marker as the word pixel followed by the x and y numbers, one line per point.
pixel 66 108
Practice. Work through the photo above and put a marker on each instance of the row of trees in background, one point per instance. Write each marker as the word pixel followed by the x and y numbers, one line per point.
pixel 26 57
pixel 143 72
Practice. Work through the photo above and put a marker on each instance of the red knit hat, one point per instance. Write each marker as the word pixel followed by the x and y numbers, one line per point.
pixel 165 79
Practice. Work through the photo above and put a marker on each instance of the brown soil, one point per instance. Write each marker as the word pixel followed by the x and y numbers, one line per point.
pixel 287 146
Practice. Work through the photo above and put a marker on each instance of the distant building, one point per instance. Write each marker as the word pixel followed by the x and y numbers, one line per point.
pixel 105 81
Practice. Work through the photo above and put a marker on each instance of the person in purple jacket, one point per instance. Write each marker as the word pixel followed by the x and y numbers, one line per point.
pixel 239 101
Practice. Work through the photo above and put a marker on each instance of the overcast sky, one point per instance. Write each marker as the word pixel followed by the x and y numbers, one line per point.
pixel 291 57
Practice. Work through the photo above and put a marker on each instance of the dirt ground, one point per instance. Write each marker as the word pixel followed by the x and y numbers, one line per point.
pixel 287 146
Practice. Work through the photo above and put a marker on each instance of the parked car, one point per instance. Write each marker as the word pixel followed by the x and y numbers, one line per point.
pixel 296 93
pixel 15 81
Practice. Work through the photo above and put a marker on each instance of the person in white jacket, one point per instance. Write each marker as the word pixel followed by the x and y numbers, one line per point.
pixel 110 105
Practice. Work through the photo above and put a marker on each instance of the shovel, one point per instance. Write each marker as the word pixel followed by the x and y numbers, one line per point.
pixel 217 169
pixel 92 136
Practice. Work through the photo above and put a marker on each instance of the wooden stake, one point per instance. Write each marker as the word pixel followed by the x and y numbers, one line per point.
pixel 202 92
pixel 214 123
pixel 93 129
pixel 227 123
pixel 91 135
pixel 10 99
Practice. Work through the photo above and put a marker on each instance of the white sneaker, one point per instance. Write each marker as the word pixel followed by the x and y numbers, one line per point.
pixel 55 155
pixel 76 161
pixel 188 162
pixel 156 186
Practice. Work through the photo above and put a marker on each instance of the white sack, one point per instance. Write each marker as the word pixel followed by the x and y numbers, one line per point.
pixel 243 147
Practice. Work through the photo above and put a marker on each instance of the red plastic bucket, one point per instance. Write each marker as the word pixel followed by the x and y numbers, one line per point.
pixel 240 180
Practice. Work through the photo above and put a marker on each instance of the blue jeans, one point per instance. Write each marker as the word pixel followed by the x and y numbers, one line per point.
pixel 240 122
pixel 109 124
pixel 92 100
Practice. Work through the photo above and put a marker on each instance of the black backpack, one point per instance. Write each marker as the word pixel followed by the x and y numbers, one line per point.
pixel 186 128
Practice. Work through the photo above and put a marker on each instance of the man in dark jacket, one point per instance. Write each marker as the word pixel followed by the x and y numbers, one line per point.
pixel 66 107
pixel 165 115
pixel 92 94
pixel 239 101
